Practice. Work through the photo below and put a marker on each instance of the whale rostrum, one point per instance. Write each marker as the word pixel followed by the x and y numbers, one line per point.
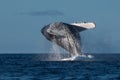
pixel 67 35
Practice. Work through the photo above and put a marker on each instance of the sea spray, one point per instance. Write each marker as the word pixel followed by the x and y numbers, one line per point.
pixel 55 50
pixel 68 41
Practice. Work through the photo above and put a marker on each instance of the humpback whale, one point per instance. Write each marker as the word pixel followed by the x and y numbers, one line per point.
pixel 67 35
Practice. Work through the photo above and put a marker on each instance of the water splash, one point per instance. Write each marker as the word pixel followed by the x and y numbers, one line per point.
pixel 55 50
pixel 82 57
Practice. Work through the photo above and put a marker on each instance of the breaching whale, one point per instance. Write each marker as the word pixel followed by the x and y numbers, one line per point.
pixel 67 35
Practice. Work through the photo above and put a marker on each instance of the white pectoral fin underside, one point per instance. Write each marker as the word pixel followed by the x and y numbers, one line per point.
pixel 88 25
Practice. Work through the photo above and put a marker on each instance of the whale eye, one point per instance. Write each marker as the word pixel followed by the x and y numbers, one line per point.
pixel 51 35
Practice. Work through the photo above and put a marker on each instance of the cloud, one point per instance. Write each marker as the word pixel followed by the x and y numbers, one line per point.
pixel 44 13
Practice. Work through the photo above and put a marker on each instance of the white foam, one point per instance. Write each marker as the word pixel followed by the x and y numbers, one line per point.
pixel 79 58
pixel 88 25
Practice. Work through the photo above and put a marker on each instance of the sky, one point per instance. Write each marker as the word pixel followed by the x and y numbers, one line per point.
pixel 22 20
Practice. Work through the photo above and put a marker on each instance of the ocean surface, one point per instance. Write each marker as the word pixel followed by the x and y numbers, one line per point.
pixel 33 67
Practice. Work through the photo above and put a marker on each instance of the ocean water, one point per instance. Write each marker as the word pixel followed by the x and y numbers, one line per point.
pixel 33 67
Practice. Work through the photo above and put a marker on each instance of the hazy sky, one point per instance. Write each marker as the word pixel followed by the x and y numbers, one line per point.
pixel 22 20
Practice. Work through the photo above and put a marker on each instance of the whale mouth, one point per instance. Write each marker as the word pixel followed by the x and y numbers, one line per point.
pixel 88 25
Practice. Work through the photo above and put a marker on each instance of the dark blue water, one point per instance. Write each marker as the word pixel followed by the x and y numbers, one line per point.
pixel 30 67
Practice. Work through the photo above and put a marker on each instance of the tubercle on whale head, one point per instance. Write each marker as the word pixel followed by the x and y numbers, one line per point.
pixel 45 32
pixel 51 33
